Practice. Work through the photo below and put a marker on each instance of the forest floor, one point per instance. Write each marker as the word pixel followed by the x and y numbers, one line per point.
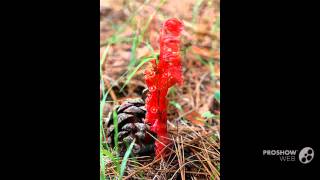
pixel 129 32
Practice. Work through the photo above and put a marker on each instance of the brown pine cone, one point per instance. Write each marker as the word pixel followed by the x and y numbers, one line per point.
pixel 131 125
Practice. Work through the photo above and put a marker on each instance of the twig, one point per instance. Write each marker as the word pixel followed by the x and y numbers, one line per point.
pixel 187 172
pixel 182 167
pixel 113 95
pixel 196 153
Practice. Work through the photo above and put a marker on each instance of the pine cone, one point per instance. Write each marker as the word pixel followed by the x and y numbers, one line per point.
pixel 131 125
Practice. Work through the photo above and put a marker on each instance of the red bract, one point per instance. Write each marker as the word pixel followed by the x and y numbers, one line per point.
pixel 161 77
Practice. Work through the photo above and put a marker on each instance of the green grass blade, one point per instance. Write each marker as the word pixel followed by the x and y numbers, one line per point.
pixel 172 91
pixel 216 25
pixel 151 49
pixel 102 166
pixel 110 156
pixel 102 104
pixel 102 60
pixel 125 159
pixel 217 96
pixel 134 49
pixel 195 10
pixel 135 70
pixel 104 55
pixel 102 163
pixel 116 135
pixel 212 70
pixel 176 105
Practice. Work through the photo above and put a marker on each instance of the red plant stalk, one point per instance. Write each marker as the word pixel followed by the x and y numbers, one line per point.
pixel 164 74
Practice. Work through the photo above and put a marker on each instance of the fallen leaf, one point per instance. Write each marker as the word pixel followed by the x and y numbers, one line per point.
pixel 195 118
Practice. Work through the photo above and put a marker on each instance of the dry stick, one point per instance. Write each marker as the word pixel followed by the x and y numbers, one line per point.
pixel 183 160
pixel 170 153
pixel 209 162
pixel 211 145
pixel 199 135
pixel 187 172
pixel 214 145
pixel 155 161
pixel 184 114
pixel 215 156
pixel 139 157
pixel 198 89
pixel 178 154
pixel 113 95
pixel 113 172
pixel 167 169
pixel 175 155
pixel 189 135
pixel 198 148
pixel 166 146
pixel 177 164
pixel 182 167
pixel 213 169
pixel 134 163
pixel 144 167
pixel 192 130
pixel 216 152
pixel 110 87
pixel 171 168
pixel 180 158
pixel 161 164
pixel 195 165
pixel 109 175
pixel 197 138
pixel 196 153
pixel 140 169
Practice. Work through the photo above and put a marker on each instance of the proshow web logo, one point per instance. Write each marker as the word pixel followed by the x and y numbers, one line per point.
pixel 306 155
pixel 286 155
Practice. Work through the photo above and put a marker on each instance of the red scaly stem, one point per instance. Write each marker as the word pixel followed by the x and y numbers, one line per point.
pixel 163 75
